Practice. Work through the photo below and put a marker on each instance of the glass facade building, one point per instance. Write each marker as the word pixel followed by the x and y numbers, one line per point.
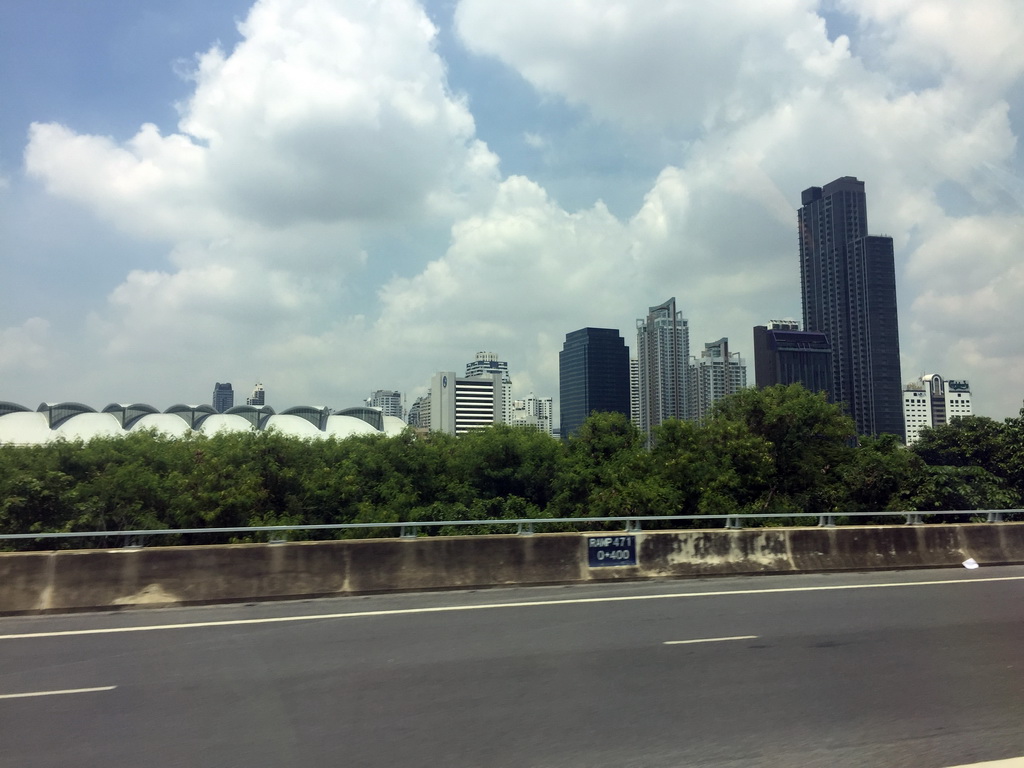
pixel 593 375
pixel 790 356
pixel 848 286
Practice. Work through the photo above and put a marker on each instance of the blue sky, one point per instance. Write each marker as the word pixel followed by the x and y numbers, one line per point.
pixel 336 196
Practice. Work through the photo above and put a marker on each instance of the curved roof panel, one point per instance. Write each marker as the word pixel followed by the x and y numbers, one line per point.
pixel 165 423
pixel 394 426
pixel 315 415
pixel 24 428
pixel 6 407
pixel 223 422
pixel 86 426
pixel 58 413
pixel 372 416
pixel 346 426
pixel 293 425
pixel 127 414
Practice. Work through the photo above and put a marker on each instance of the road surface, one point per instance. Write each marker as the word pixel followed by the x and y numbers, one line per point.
pixel 923 669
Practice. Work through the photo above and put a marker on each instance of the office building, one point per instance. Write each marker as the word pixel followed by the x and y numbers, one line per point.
pixel 460 405
pixel 717 373
pixel 388 401
pixel 535 412
pixel 593 375
pixel 488 364
pixel 258 396
pixel 932 402
pixel 848 282
pixel 634 392
pixel 663 352
pixel 419 413
pixel 223 397
pixel 783 354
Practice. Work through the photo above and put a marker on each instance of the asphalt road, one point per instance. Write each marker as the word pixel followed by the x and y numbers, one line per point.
pixel 921 668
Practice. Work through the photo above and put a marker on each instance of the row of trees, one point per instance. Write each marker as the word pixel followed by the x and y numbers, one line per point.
pixel 779 451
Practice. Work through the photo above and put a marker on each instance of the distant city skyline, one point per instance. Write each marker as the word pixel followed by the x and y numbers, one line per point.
pixel 471 182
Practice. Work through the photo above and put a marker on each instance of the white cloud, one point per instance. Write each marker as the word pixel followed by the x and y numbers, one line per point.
pixel 687 65
pixel 328 141
pixel 324 112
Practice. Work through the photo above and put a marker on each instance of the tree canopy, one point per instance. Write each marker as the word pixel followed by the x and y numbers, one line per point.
pixel 778 450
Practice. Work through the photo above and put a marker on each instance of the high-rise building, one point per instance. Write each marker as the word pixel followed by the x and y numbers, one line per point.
pixel 593 375
pixel 634 392
pixel 663 352
pixel 419 412
pixel 389 401
pixel 460 405
pixel 533 412
pixel 848 282
pixel 223 397
pixel 717 373
pixel 488 364
pixel 783 354
pixel 258 396
pixel 932 402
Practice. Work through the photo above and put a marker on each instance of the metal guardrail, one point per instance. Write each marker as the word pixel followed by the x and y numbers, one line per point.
pixel 524 526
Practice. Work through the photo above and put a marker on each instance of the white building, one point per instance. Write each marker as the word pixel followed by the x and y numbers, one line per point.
pixel 634 392
pixel 488 364
pixel 663 354
pixel 932 402
pixel 258 396
pixel 714 375
pixel 460 405
pixel 389 402
pixel 533 412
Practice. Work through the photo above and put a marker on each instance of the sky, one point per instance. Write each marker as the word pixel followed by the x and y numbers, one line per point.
pixel 337 196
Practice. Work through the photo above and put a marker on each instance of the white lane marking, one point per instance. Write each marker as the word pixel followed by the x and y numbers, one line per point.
pixel 490 606
pixel 1013 762
pixel 56 693
pixel 710 640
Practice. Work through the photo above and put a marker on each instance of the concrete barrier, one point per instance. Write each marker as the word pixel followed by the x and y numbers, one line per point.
pixel 62 581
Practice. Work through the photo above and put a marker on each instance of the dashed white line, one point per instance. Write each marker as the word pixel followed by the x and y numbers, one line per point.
pixel 710 640
pixel 30 694
pixel 493 606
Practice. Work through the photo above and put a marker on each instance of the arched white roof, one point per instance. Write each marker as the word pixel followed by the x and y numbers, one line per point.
pixel 24 428
pixel 393 426
pixel 346 426
pixel 292 426
pixel 86 426
pixel 166 423
pixel 224 422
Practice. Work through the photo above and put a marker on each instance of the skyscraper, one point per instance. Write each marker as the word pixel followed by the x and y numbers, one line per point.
pixel 389 401
pixel 848 282
pixel 783 354
pixel 258 396
pixel 663 351
pixel 488 364
pixel 593 375
pixel 459 405
pixel 223 397
pixel 717 373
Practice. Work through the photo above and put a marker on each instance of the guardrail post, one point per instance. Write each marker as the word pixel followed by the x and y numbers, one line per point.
pixel 407 532
pixel 733 522
pixel 524 529
pixel 995 517
pixel 915 519
pixel 632 525
pixel 826 521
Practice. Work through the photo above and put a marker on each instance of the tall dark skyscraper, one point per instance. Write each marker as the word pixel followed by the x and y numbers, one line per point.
pixel 848 281
pixel 223 397
pixel 593 375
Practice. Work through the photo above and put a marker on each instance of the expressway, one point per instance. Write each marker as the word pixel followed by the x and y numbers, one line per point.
pixel 923 669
